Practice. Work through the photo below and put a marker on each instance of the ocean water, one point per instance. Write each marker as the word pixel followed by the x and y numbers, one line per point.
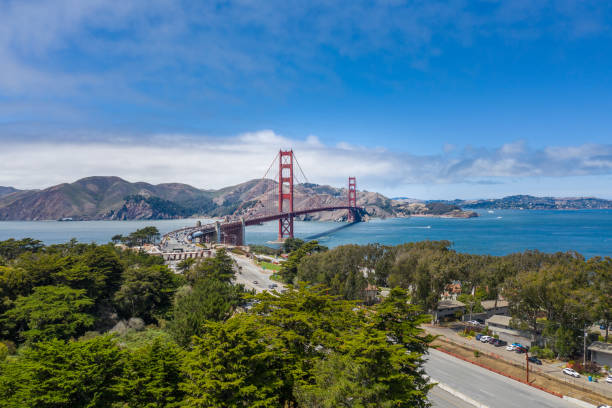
pixel 501 232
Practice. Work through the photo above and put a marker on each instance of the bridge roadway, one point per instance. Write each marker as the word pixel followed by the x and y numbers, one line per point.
pixel 237 224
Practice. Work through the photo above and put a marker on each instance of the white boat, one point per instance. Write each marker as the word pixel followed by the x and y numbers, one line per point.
pixel 490 211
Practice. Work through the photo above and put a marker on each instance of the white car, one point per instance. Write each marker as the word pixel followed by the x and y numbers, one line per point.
pixel 573 373
pixel 473 323
pixel 510 347
pixel 609 379
pixel 485 339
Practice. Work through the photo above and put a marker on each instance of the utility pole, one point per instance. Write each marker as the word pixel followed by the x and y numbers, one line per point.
pixel 527 364
pixel 584 352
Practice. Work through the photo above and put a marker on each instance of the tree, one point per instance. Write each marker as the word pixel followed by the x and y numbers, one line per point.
pixel 289 269
pixel 151 375
pixel 62 374
pixel 185 265
pixel 146 292
pixel 601 276
pixel 292 244
pixel 220 267
pixel 50 312
pixel 208 300
pixel 238 363
pixel 117 238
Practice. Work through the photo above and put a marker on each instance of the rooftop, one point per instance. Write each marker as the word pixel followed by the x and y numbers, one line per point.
pixel 499 320
pixel 490 304
pixel 601 347
pixel 449 304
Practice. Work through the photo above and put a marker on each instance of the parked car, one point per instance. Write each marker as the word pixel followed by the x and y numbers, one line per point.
pixel 571 372
pixel 520 350
pixel 478 336
pixel 255 282
pixel 499 343
pixel 473 322
pixel 609 379
pixel 485 339
pixel 534 360
pixel 510 347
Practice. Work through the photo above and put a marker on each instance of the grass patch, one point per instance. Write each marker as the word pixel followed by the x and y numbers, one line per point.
pixel 269 265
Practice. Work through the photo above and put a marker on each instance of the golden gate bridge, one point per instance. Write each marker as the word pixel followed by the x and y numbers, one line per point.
pixel 277 203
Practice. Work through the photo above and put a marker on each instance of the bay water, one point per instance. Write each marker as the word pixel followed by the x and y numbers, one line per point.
pixel 588 232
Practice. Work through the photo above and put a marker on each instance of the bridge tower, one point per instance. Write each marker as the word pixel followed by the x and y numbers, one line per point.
pixel 285 194
pixel 352 199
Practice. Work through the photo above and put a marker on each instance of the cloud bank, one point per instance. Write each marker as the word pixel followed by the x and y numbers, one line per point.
pixel 208 162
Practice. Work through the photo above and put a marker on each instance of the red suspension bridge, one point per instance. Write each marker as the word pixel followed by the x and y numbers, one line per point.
pixel 276 202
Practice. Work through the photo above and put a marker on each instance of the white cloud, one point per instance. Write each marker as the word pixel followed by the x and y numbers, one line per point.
pixel 208 162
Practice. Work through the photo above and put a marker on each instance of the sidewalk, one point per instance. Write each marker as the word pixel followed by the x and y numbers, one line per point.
pixel 552 370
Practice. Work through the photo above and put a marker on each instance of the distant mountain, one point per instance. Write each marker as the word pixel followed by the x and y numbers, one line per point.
pixel 7 190
pixel 527 202
pixel 112 198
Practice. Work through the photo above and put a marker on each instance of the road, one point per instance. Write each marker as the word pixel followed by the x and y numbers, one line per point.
pixel 554 369
pixel 249 273
pixel 486 387
pixel 442 399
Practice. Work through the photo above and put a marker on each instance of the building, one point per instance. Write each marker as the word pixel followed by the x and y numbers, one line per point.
pixel 490 309
pixel 500 325
pixel 370 294
pixel 452 290
pixel 448 308
pixel 601 353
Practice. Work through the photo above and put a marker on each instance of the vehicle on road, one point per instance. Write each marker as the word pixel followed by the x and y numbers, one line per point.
pixel 534 360
pixel 609 379
pixel 255 282
pixel 272 286
pixel 571 372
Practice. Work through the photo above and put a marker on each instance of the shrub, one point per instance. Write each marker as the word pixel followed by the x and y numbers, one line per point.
pixel 476 353
pixel 589 368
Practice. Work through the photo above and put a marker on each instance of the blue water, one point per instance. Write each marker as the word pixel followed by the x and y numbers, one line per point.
pixel 505 231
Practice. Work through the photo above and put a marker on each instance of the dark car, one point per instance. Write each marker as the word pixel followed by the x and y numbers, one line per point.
pixel 500 343
pixel 534 360
pixel 492 340
pixel 520 350
pixel 478 336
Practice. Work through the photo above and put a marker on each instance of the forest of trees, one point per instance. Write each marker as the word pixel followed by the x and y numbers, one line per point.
pixel 556 295
pixel 85 325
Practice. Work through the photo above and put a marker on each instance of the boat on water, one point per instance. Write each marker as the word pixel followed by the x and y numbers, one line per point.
pixel 490 211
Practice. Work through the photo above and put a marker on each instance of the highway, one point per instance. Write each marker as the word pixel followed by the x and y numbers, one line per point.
pixel 248 273
pixel 487 388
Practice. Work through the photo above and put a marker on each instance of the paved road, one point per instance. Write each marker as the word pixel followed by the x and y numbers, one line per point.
pixel 555 370
pixel 486 387
pixel 442 399
pixel 249 273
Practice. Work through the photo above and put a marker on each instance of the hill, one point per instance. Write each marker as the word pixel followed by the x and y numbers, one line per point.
pixel 112 198
pixel 7 190
pixel 528 202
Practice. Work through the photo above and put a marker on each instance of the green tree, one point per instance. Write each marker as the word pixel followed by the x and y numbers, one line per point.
pixel 58 374
pixel 50 312
pixel 208 300
pixel 146 292
pixel 238 363
pixel 289 269
pixel 151 375
pixel 220 267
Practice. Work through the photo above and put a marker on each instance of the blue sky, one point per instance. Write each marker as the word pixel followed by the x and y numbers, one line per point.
pixel 426 99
